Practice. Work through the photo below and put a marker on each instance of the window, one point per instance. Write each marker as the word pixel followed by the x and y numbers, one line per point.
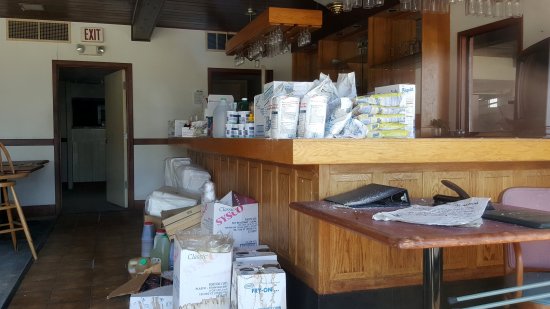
pixel 217 40
pixel 487 58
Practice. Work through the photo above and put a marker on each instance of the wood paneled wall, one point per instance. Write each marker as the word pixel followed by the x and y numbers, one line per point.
pixel 331 259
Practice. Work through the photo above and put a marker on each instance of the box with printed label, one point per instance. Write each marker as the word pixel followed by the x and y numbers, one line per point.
pixel 258 284
pixel 406 91
pixel 261 252
pixel 175 127
pixel 159 298
pixel 202 276
pixel 235 215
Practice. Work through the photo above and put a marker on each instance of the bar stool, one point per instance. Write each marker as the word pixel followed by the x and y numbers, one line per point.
pixel 7 184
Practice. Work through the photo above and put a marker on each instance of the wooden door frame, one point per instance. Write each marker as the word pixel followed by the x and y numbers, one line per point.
pixel 463 60
pixel 57 65
pixel 230 72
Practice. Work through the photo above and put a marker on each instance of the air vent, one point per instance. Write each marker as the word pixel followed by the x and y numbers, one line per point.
pixel 36 30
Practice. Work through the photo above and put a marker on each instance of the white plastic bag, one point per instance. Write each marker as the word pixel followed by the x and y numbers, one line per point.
pixel 166 198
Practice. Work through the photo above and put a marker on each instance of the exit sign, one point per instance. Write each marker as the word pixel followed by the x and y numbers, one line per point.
pixel 92 34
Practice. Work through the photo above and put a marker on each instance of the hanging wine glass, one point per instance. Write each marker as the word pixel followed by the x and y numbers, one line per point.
pixel 516 9
pixel 347 5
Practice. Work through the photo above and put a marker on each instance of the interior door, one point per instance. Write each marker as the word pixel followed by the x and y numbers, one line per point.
pixel 116 157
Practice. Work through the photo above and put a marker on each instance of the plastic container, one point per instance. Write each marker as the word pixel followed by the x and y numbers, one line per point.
pixel 243 105
pixel 147 239
pixel 138 265
pixel 220 118
pixel 161 250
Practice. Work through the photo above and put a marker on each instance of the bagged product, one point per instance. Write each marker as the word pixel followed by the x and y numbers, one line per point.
pixel 390 134
pixel 370 109
pixel 381 118
pixel 313 108
pixel 166 198
pixel 262 102
pixel 284 116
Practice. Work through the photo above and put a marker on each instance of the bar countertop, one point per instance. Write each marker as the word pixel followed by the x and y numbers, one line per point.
pixel 351 151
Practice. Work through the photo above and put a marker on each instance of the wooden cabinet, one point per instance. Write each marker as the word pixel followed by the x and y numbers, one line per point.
pixel 331 259
pixel 392 48
pixel 394 55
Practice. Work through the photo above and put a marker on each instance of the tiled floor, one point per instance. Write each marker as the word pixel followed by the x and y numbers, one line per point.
pixel 83 260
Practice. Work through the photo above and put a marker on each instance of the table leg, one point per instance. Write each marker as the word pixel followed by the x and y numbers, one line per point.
pixel 433 273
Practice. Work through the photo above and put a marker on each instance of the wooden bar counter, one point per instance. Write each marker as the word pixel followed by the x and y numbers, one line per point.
pixel 331 259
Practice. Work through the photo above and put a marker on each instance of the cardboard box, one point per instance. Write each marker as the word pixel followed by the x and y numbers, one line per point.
pixel 159 298
pixel 175 127
pixel 258 284
pixel 181 219
pixel 235 215
pixel 407 92
pixel 256 253
pixel 201 278
pixel 157 221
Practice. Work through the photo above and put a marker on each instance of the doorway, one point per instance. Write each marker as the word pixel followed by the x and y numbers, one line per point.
pixel 487 58
pixel 240 83
pixel 93 142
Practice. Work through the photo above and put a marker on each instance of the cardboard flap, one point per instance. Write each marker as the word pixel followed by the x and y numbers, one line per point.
pixel 131 287
pixel 134 285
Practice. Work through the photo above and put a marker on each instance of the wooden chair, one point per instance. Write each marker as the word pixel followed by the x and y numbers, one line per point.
pixel 530 261
pixel 7 185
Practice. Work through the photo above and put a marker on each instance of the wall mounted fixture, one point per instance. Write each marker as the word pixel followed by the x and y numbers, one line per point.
pixel 80 48
pixel 90 50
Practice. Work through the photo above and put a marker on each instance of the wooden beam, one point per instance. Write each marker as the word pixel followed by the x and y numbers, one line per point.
pixel 270 18
pixel 144 20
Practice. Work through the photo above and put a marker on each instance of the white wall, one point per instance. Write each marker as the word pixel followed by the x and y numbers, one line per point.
pixel 536 26
pixel 166 72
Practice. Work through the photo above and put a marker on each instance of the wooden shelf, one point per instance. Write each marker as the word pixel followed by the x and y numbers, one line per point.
pixel 405 62
pixel 292 22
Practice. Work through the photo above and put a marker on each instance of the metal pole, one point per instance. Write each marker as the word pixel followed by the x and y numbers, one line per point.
pixel 433 274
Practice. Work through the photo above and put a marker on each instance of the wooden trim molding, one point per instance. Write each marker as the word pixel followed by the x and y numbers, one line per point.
pixel 57 65
pixel 27 142
pixel 153 141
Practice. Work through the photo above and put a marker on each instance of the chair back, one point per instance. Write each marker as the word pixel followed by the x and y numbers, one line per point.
pixel 535 253
pixel 6 167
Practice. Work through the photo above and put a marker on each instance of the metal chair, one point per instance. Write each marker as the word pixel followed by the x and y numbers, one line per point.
pixel 7 176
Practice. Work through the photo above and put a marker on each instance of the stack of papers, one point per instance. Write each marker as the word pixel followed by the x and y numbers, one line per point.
pixel 466 212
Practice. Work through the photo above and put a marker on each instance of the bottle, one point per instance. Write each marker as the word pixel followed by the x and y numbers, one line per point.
pixel 243 105
pixel 138 265
pixel 147 237
pixel 161 250
pixel 220 119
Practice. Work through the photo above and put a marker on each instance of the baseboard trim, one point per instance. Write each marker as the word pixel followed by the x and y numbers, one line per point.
pixel 39 211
